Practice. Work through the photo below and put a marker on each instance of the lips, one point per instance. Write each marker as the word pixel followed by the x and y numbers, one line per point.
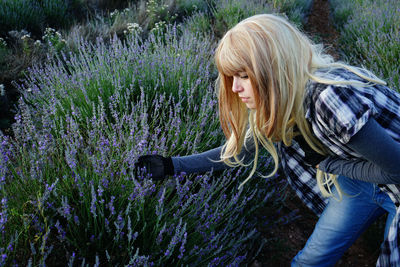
pixel 245 99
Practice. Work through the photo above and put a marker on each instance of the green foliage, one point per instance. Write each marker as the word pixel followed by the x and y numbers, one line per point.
pixel 54 39
pixel 55 12
pixel 227 13
pixel 342 11
pixel 199 22
pixel 19 54
pixel 371 37
pixel 21 14
pixel 188 7
pixel 98 5
pixel 296 10
pixel 159 64
pixel 3 48
pixel 32 15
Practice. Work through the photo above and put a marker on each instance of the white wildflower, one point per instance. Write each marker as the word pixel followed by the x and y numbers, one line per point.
pixel 25 37
pixel 114 14
pixel 133 27
pixel 2 42
pixel 2 91
pixel 48 33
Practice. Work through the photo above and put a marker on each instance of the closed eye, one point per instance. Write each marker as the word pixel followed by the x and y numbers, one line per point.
pixel 243 75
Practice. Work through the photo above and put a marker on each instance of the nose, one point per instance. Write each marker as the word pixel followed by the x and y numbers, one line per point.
pixel 237 86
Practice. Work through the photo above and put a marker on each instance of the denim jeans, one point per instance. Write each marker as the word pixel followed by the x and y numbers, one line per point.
pixel 342 222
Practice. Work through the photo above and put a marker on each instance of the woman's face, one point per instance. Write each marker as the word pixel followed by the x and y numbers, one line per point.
pixel 242 86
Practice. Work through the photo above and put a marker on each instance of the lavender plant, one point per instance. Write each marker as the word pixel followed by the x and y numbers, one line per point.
pixel 198 22
pixel 73 196
pixel 227 13
pixel 371 37
pixel 296 10
pixel 68 187
pixel 172 64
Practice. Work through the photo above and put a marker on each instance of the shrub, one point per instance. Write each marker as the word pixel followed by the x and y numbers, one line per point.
pixel 55 12
pixel 54 40
pixel 33 15
pixel 189 7
pixel 342 11
pixel 157 65
pixel 227 13
pixel 69 189
pixel 296 10
pixel 199 22
pixel 98 210
pixel 21 14
pixel 371 38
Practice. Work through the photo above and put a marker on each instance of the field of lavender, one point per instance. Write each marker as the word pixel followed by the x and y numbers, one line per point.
pixel 140 80
pixel 70 194
pixel 370 35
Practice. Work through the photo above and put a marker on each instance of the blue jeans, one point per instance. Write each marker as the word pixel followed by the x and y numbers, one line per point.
pixel 342 222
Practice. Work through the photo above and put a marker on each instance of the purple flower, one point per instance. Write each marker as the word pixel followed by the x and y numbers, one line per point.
pixel 76 219
pixel 182 248
pixel 93 203
pixel 65 209
pixel 3 258
pixel 110 205
pixel 3 214
pixel 60 231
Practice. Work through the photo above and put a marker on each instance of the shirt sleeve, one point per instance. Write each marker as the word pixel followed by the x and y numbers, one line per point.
pixel 210 160
pixel 380 157
pixel 341 111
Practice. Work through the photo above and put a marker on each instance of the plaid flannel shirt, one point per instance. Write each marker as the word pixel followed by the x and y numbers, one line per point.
pixel 336 113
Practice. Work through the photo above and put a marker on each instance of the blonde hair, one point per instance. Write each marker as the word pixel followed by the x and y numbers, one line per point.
pixel 279 60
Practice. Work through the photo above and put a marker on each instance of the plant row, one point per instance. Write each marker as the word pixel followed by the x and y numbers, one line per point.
pixel 370 35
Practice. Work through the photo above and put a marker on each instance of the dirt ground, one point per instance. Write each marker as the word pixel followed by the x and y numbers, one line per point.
pixel 288 239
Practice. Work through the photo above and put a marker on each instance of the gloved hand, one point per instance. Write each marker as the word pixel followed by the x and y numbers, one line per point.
pixel 312 158
pixel 156 165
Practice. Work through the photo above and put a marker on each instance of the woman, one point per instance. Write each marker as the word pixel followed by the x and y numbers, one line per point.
pixel 317 118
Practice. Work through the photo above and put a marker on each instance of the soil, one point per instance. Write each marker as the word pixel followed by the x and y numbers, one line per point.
pixel 291 237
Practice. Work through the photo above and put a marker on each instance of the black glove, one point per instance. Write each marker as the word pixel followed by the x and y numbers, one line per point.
pixel 312 157
pixel 156 165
